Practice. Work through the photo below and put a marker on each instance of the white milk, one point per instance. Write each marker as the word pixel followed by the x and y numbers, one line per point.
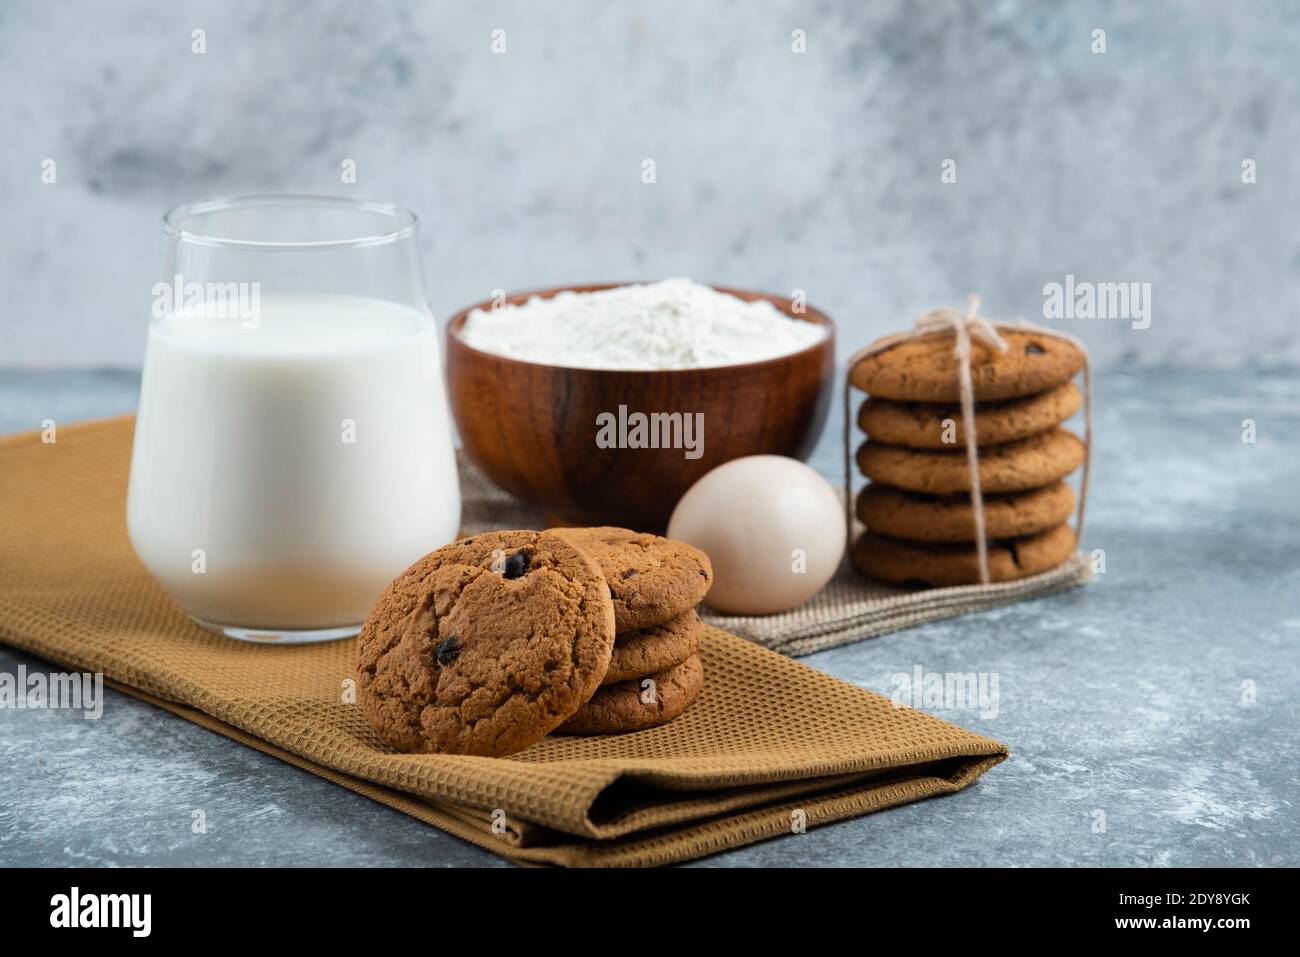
pixel 309 459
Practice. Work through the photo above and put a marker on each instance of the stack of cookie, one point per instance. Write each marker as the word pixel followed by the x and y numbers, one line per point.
pixel 917 507
pixel 490 643
pixel 654 671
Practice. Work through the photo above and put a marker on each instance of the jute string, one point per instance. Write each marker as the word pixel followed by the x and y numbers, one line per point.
pixel 966 327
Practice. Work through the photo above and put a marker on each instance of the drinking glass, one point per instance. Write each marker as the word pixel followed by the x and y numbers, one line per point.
pixel 293 450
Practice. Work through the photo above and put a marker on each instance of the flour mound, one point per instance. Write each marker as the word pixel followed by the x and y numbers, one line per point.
pixel 673 324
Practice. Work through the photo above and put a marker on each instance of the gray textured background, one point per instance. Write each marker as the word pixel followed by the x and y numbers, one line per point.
pixel 779 171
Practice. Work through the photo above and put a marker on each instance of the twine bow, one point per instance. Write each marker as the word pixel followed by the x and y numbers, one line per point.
pixel 966 327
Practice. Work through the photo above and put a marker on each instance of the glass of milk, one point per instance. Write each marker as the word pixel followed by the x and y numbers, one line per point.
pixel 293 450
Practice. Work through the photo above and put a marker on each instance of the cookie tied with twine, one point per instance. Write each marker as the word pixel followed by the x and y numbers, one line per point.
pixel 966 329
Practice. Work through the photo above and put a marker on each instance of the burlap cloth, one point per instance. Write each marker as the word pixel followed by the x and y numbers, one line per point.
pixel 768 738
pixel 851 607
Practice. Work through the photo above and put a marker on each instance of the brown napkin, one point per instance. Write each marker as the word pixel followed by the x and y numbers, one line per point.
pixel 767 739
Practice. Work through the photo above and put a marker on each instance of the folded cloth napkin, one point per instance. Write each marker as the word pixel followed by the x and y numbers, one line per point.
pixel 769 747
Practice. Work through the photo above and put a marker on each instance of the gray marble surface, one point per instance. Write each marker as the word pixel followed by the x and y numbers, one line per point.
pixel 1124 698
pixel 774 169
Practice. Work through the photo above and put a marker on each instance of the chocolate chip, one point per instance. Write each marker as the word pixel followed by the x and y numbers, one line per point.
pixel 703 573
pixel 447 651
pixel 1034 349
pixel 629 573
pixel 516 565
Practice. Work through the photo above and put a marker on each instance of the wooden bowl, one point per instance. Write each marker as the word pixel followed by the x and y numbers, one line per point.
pixel 532 428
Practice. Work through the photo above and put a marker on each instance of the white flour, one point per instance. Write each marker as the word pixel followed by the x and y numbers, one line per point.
pixel 674 324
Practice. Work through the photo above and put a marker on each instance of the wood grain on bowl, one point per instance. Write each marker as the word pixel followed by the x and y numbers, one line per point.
pixel 532 428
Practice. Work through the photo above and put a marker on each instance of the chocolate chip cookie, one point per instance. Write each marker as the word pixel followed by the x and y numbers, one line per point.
pixel 640 703
pixel 934 563
pixel 644 652
pixel 651 578
pixel 950 518
pixel 485 645
pixel 925 370
pixel 1010 467
pixel 921 425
